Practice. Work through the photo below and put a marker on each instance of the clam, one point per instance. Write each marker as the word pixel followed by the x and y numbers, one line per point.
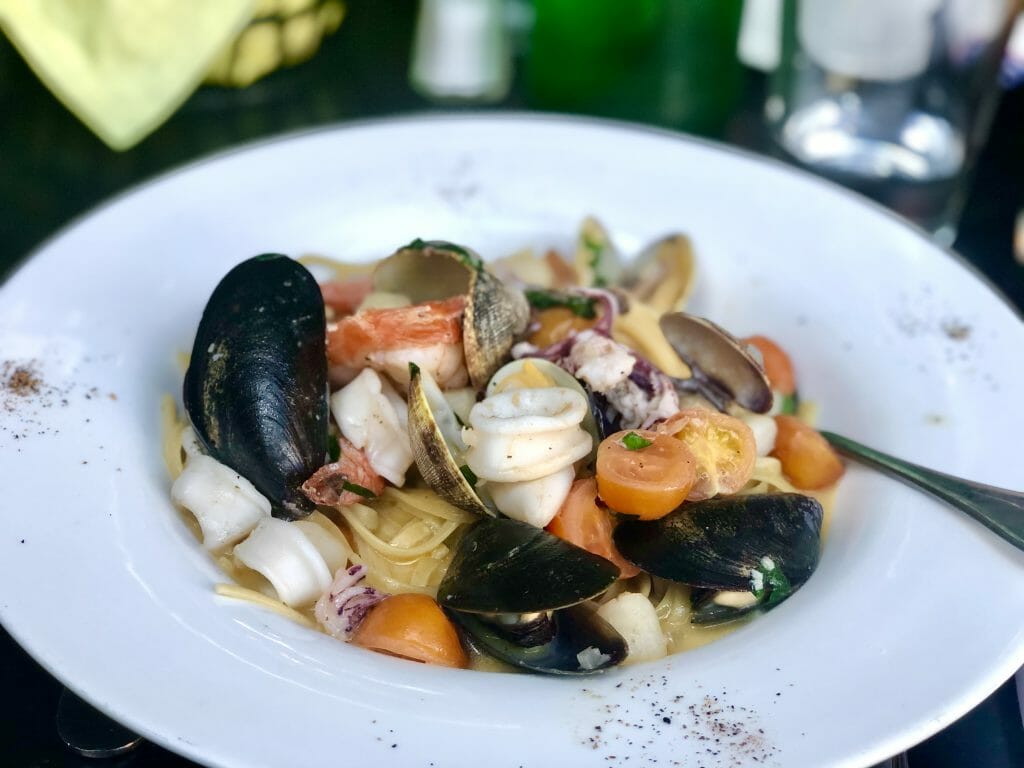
pixel 518 592
pixel 747 552
pixel 722 368
pixel 256 387
pixel 662 275
pixel 495 313
pixel 437 447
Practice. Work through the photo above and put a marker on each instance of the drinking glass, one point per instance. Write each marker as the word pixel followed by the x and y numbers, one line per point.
pixel 892 98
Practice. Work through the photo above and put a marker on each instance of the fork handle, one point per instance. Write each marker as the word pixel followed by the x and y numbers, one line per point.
pixel 998 509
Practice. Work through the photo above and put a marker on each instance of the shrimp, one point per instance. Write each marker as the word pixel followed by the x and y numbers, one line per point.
pixel 387 340
pixel 345 481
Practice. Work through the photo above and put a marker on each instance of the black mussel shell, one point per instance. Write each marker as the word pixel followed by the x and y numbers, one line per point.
pixel 505 566
pixel 256 386
pixel 706 612
pixel 571 632
pixel 718 542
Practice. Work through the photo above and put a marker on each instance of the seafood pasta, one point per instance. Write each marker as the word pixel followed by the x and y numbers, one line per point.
pixel 539 462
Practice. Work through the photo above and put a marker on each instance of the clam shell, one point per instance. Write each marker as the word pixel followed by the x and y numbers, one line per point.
pixel 721 359
pixel 437 447
pixel 663 274
pixel 495 316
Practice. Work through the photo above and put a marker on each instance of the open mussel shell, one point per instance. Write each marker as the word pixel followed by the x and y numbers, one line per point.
pixel 561 378
pixel 719 359
pixel 662 275
pixel 707 611
pixel 437 447
pixel 505 566
pixel 573 641
pixel 495 316
pixel 256 387
pixel 716 544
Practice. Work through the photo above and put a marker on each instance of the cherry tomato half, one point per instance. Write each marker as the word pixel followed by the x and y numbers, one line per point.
pixel 648 481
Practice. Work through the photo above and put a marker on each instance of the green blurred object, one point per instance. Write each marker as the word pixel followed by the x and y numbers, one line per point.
pixel 668 62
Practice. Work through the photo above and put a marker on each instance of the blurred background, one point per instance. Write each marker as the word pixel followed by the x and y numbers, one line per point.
pixel 915 104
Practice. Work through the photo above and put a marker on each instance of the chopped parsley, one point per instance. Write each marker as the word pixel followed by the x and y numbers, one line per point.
pixel 359 490
pixel 414 370
pixel 333 447
pixel 635 442
pixel 789 403
pixel 581 306
pixel 769 584
pixel 597 250
pixel 469 474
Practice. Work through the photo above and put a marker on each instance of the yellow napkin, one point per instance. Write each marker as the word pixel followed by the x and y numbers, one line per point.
pixel 122 66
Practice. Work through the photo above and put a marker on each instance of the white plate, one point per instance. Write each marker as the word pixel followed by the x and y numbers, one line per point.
pixel 915 614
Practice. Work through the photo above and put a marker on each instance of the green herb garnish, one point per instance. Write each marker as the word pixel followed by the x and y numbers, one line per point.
pixel 581 306
pixel 469 474
pixel 359 490
pixel 414 370
pixel 774 584
pixel 333 447
pixel 635 442
pixel 597 250
pixel 790 403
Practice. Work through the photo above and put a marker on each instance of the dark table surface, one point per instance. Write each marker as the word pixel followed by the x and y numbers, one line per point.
pixel 53 169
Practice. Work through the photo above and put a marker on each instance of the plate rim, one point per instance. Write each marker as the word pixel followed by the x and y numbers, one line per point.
pixel 503 116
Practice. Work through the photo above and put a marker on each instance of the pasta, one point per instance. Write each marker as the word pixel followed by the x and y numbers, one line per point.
pixel 602 424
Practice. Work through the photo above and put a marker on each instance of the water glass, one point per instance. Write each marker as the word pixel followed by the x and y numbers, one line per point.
pixel 892 98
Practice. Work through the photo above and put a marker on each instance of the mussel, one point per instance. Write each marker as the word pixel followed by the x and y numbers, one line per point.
pixel 722 369
pixel 518 592
pixel 742 553
pixel 495 315
pixel 256 387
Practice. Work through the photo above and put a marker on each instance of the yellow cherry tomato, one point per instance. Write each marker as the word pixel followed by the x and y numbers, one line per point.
pixel 722 445
pixel 412 626
pixel 807 459
pixel 648 481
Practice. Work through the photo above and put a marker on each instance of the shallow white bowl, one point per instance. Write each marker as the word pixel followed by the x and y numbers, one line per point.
pixel 915 614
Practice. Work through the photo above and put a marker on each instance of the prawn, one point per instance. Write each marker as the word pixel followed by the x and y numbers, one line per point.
pixel 345 481
pixel 387 340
